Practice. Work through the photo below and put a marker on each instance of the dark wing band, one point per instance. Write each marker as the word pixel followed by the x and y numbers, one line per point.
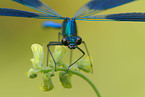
pixel 96 6
pixel 20 13
pixel 138 17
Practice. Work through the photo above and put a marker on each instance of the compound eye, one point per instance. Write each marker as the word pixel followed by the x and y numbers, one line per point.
pixel 79 40
pixel 64 41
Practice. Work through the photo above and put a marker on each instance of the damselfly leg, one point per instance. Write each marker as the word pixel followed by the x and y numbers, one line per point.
pixel 53 44
pixel 71 54
pixel 49 51
pixel 59 34
pixel 77 59
pixel 88 55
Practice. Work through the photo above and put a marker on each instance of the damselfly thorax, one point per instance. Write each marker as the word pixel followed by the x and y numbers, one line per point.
pixel 69 33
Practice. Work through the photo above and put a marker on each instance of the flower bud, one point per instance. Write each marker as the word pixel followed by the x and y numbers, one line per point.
pixel 38 56
pixel 65 79
pixel 58 54
pixel 47 84
pixel 32 73
pixel 84 65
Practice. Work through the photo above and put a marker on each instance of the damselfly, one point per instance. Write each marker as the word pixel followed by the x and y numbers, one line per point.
pixel 69 29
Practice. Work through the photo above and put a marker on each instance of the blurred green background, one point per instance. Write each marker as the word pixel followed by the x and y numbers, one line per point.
pixel 117 49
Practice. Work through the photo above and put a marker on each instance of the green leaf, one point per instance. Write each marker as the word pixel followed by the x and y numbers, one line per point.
pixel 65 79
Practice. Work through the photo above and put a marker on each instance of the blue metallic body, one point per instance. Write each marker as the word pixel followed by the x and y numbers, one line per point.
pixel 69 30
pixel 51 24
pixel 69 27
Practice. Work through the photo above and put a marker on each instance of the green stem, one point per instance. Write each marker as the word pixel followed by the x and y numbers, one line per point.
pixel 80 75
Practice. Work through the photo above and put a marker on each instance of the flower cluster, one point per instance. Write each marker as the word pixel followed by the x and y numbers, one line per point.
pixel 48 71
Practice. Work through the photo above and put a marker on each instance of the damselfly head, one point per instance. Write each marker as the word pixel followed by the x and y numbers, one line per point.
pixel 72 42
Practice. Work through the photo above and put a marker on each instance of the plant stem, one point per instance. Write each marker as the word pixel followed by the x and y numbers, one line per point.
pixel 78 74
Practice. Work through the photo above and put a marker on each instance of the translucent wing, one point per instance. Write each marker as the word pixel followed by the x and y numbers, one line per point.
pixel 96 6
pixel 38 5
pixel 139 17
pixel 20 13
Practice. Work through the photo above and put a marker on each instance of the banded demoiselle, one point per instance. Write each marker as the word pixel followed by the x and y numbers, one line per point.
pixel 69 30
